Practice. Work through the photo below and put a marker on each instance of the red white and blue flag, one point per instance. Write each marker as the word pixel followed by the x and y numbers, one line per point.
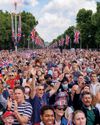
pixel 19 28
pixel 67 40
pixel 61 42
pixel 76 37
pixel 33 34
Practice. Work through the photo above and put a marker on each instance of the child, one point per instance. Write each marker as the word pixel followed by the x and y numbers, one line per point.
pixel 8 118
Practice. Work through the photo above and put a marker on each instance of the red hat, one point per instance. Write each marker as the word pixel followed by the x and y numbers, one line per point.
pixel 7 113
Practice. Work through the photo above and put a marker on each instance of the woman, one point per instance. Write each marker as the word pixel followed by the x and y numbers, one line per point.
pixel 79 118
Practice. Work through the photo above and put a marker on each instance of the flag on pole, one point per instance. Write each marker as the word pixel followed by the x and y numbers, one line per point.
pixel 76 37
pixel 67 40
pixel 33 34
pixel 37 40
pixel 61 42
pixel 19 28
pixel 12 25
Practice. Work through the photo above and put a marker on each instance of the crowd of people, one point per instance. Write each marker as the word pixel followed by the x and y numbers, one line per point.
pixel 49 87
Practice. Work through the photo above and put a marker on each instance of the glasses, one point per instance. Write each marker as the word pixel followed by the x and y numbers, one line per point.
pixel 11 75
pixel 61 108
pixel 41 89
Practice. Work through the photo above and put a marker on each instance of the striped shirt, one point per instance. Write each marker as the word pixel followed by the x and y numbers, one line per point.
pixel 24 109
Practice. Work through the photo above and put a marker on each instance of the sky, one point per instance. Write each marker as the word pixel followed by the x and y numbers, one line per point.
pixel 54 16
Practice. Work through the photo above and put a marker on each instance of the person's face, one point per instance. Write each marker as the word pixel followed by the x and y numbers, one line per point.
pixel 75 66
pixel 80 119
pixel 40 91
pixel 11 93
pixel 86 89
pixel 48 117
pixel 93 77
pixel 87 100
pixel 81 79
pixel 9 120
pixel 59 111
pixel 19 95
pixel 55 74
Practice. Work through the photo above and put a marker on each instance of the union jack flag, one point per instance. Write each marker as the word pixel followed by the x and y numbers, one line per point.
pixel 76 37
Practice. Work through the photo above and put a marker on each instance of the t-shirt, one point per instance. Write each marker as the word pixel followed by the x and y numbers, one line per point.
pixel 24 109
pixel 37 103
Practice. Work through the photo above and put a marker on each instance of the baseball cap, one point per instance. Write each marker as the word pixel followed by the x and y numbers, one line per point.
pixel 7 113
pixel 62 103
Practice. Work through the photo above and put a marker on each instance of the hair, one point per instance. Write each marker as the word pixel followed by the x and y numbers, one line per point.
pixel 45 108
pixel 21 88
pixel 86 85
pixel 76 112
pixel 85 93
pixel 93 73
pixel 1 81
pixel 74 61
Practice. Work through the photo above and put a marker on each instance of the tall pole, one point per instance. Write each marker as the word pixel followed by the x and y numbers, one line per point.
pixel 15 4
pixel 70 43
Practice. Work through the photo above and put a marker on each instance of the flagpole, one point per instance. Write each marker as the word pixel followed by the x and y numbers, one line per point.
pixel 80 44
pixel 70 44
pixel 15 4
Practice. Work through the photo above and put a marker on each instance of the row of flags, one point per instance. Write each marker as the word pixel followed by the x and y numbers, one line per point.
pixel 36 39
pixel 67 40
pixel 33 35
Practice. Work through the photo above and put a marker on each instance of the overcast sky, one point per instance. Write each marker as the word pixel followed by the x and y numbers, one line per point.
pixel 54 16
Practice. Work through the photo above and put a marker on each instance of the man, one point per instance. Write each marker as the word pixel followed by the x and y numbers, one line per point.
pixel 22 109
pixel 40 99
pixel 91 112
pixel 94 83
pixel 47 116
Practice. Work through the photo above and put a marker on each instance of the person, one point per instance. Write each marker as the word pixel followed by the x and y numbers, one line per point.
pixel 94 83
pixel 79 118
pixel 47 115
pixel 91 112
pixel 98 99
pixel 8 118
pixel 60 107
pixel 22 109
pixel 40 98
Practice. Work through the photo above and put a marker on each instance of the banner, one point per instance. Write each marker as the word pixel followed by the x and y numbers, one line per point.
pixel 33 34
pixel 76 37
pixel 19 28
pixel 67 40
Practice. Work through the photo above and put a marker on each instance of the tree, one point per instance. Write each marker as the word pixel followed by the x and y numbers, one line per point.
pixel 87 29
pixel 28 22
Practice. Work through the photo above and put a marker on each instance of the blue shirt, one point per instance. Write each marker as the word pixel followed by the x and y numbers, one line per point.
pixel 37 104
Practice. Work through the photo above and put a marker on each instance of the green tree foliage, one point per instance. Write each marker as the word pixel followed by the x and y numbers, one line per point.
pixel 88 23
pixel 87 29
pixel 28 23
pixel 96 23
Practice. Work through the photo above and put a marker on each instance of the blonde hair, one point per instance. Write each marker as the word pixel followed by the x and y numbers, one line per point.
pixel 76 112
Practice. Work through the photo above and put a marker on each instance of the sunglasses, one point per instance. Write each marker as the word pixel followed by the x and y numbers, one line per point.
pixel 61 108
pixel 41 89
